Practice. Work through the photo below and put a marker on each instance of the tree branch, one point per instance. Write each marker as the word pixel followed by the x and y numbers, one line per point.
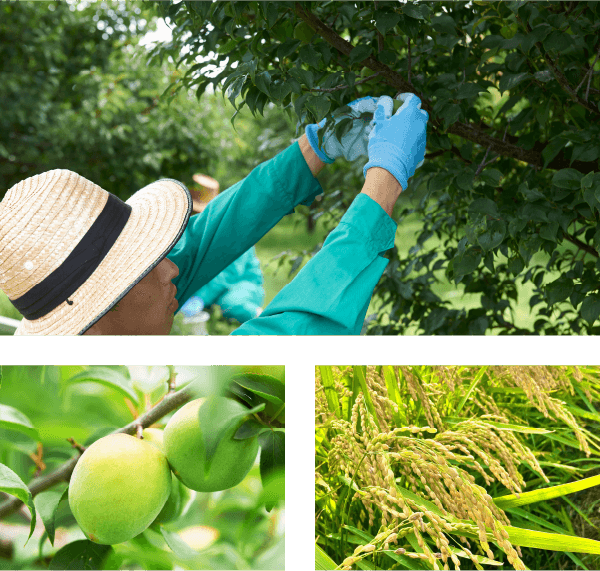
pixel 581 245
pixel 558 74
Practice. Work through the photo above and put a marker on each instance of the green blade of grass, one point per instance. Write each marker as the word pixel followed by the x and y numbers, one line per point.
pixel 330 392
pixel 322 560
pixel 474 383
pixel 391 382
pixel 551 541
pixel 360 374
pixel 500 425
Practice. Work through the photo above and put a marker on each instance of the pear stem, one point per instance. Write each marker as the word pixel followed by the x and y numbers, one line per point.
pixel 172 377
pixel 138 431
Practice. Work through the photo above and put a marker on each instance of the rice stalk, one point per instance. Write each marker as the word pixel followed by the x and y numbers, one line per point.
pixel 416 486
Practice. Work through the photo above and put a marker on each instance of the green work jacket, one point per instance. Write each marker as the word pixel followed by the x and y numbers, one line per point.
pixel 331 294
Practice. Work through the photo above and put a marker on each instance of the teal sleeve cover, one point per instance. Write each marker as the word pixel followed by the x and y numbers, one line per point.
pixel 331 294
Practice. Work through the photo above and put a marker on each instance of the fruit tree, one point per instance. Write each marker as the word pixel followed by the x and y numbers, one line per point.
pixel 505 209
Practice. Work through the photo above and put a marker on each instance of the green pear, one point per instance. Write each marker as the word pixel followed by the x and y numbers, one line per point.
pixel 118 487
pixel 184 448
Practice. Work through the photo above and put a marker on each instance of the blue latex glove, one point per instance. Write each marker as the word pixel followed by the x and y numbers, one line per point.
pixel 397 143
pixel 192 306
pixel 354 142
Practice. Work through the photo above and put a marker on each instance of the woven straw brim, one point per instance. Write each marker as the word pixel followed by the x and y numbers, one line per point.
pixel 160 212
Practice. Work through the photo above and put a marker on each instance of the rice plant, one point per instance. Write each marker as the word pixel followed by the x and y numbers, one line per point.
pixel 463 467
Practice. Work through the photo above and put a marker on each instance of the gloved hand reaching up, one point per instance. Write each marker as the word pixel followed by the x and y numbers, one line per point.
pixel 354 143
pixel 397 142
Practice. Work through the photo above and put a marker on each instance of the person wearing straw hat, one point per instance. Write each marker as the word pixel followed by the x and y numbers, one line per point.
pixel 238 290
pixel 74 259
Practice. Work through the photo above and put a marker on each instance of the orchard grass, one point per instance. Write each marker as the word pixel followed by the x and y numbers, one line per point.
pixel 492 467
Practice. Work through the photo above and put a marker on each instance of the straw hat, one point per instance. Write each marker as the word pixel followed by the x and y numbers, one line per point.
pixel 210 189
pixel 69 250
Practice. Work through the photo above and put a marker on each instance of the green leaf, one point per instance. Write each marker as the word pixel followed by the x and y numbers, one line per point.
pixel 530 194
pixel 360 376
pixel 288 47
pixel 493 237
pixel 107 377
pixel 309 55
pixel 14 419
pixel 450 114
pixel 391 383
pixel 551 541
pixel 385 21
pixel 586 153
pixel 464 180
pixel 249 429
pixel 559 290
pixel 509 31
pixel 177 545
pixel 272 458
pixel 10 483
pixel 47 504
pixel 515 265
pixel 272 13
pixel 303 76
pixel 552 149
pixel 590 308
pixel 81 554
pixel 444 24
pixel 590 197
pixel 529 246
pixel 226 47
pixel 266 386
pixel 280 89
pixel 172 10
pixel 567 178
pixel 558 41
pixel 544 494
pixel 359 53
pixel 467 90
pixel 323 561
pixel 263 81
pixel 550 231
pixel 597 239
pixel 319 106
pixel 467 264
pixel 330 391
pixel 491 177
pixel 484 206
pixel 510 80
pixel 418 11
pixel 476 379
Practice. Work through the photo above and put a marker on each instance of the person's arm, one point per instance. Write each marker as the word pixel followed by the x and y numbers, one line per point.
pixel 383 188
pixel 380 185
pixel 315 164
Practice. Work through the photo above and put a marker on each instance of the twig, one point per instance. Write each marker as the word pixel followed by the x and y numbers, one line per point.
pixel 338 87
pixel 75 444
pixel 172 378
pixel 38 459
pixel 581 245
pixel 409 62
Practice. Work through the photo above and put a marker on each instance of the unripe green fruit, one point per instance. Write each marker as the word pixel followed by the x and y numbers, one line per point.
pixel 184 447
pixel 118 487
pixel 154 436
